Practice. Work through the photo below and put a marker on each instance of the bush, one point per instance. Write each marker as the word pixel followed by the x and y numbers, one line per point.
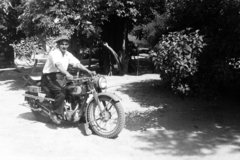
pixel 175 57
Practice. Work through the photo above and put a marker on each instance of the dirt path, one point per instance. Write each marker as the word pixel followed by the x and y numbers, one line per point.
pixel 159 125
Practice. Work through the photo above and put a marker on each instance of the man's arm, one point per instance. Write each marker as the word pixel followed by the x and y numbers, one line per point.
pixel 63 71
pixel 76 63
pixel 81 67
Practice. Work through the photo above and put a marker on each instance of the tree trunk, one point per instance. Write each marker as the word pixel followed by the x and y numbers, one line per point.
pixel 116 57
pixel 113 34
pixel 125 56
pixel 75 45
pixel 90 58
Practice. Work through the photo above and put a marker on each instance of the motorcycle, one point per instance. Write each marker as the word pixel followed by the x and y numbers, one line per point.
pixel 85 99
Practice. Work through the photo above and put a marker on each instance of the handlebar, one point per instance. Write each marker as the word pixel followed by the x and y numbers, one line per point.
pixel 84 79
pixel 81 79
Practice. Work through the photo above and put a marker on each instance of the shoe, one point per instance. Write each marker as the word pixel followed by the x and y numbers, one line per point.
pixel 54 118
pixel 60 109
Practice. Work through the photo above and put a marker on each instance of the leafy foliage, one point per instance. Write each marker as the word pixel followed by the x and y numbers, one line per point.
pixel 8 21
pixel 224 45
pixel 176 58
pixel 80 19
pixel 152 14
pixel 8 33
pixel 153 30
pixel 218 21
pixel 56 17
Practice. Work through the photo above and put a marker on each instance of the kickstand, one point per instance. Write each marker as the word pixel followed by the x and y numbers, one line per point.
pixel 87 130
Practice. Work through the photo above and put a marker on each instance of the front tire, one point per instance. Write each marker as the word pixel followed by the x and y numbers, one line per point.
pixel 110 123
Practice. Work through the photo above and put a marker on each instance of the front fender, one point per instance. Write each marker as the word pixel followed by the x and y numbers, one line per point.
pixel 115 97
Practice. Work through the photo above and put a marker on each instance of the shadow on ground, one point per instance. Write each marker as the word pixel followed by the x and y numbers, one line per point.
pixel 192 127
pixel 30 117
pixel 170 125
pixel 12 79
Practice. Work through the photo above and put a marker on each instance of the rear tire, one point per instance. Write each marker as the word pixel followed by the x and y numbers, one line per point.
pixel 98 122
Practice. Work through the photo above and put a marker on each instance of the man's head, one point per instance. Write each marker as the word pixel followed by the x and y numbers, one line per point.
pixel 63 43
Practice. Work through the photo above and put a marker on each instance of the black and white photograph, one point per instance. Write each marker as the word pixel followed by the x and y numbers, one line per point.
pixel 120 79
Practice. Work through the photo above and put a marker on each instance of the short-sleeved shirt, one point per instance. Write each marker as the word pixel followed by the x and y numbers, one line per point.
pixel 56 56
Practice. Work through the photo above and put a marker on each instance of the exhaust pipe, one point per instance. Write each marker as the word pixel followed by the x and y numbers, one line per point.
pixel 37 97
pixel 43 108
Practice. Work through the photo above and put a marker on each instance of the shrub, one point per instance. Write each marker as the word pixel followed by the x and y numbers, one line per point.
pixel 175 57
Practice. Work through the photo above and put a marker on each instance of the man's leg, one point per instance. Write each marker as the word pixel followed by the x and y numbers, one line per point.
pixel 58 93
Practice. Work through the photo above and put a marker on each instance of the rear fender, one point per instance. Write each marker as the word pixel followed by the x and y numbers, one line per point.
pixel 27 98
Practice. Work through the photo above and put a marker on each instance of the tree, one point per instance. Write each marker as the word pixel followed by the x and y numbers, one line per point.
pixel 52 18
pixel 123 16
pixel 8 24
pixel 44 18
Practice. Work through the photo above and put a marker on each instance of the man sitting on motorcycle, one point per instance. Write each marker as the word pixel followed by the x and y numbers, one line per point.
pixel 54 72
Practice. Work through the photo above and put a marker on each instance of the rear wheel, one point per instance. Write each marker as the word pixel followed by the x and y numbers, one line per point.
pixel 108 123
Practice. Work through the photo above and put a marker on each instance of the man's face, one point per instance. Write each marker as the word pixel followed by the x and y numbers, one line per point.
pixel 63 46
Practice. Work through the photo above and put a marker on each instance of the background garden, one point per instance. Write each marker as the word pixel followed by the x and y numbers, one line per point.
pixel 194 45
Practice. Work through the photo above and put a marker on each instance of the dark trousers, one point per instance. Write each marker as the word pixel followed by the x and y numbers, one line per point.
pixel 54 82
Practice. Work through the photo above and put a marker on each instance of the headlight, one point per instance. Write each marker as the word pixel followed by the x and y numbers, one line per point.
pixel 102 83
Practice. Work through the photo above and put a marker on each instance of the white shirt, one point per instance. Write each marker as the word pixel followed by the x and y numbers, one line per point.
pixel 56 56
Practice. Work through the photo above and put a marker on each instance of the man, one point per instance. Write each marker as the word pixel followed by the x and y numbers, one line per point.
pixel 54 71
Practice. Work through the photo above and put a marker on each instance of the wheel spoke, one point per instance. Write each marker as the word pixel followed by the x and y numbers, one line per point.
pixel 106 106
pixel 110 123
pixel 106 126
pixel 109 126
pixel 114 112
pixel 100 124
pixel 108 109
pixel 97 119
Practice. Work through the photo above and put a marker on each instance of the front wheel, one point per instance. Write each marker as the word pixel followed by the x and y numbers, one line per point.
pixel 108 123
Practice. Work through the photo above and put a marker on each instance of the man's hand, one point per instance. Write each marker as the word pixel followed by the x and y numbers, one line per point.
pixel 92 73
pixel 63 71
pixel 69 76
pixel 83 68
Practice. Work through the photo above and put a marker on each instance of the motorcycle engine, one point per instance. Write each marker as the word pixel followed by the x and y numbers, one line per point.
pixel 79 90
